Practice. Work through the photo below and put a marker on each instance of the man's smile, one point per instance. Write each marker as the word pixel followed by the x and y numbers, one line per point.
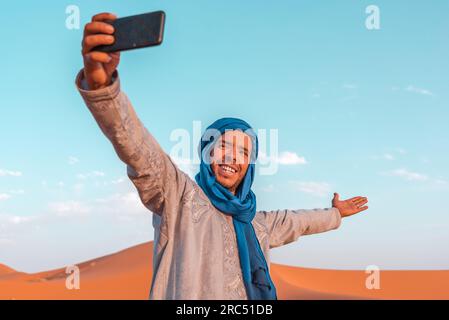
pixel 227 170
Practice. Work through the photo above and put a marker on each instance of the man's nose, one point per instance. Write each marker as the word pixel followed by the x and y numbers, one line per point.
pixel 230 155
pixel 230 159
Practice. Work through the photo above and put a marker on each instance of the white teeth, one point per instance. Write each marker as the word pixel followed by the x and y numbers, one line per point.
pixel 228 169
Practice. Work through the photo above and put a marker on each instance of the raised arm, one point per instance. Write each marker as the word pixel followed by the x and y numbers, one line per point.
pixel 286 226
pixel 149 168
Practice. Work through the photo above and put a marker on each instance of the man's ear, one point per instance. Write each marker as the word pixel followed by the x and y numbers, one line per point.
pixel 211 156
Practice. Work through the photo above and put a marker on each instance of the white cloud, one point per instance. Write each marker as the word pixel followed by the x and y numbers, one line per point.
pixel 417 90
pixel 8 195
pixel 15 221
pixel 78 187
pixel 270 188
pixel 4 196
pixel 5 173
pixel 19 219
pixel 319 189
pixel 118 180
pixel 388 156
pixel 287 158
pixel 441 182
pixel 93 174
pixel 415 176
pixel 73 160
pixel 131 201
pixel 123 206
pixel 69 208
pixel 290 158
pixel 349 86
pixel 408 175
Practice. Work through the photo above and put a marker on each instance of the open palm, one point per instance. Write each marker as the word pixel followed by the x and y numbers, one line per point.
pixel 351 206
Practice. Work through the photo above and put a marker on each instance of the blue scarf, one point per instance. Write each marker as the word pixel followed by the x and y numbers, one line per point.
pixel 242 208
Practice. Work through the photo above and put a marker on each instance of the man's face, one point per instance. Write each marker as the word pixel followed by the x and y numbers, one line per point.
pixel 230 158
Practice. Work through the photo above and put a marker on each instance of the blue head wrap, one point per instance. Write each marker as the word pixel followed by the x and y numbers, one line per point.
pixel 241 206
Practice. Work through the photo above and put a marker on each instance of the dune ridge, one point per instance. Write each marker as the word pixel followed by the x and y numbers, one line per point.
pixel 5 270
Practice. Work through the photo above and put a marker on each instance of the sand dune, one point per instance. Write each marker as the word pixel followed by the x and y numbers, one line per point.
pixel 5 270
pixel 127 275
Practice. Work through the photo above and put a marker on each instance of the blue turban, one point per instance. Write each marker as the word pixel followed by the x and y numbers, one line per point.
pixel 242 208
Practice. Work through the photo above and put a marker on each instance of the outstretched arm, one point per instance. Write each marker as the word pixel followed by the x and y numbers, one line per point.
pixel 286 226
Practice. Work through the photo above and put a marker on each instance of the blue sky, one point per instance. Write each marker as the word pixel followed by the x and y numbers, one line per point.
pixel 366 109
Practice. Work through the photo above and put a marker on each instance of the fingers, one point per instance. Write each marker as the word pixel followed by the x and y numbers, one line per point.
pixel 104 16
pixel 363 208
pixel 92 41
pixel 115 55
pixel 360 201
pixel 98 27
pixel 98 32
pixel 336 196
pixel 97 56
pixel 360 204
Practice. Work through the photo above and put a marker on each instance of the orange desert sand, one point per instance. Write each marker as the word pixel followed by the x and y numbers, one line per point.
pixel 127 275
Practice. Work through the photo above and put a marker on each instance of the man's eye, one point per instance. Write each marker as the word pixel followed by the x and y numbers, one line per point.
pixel 243 152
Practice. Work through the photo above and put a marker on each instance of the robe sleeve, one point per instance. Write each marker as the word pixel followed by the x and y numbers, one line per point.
pixel 151 170
pixel 286 226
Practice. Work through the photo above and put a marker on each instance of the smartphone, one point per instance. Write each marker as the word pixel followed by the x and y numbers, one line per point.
pixel 134 32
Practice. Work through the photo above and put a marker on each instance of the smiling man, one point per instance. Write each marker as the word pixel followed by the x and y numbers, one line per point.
pixel 210 241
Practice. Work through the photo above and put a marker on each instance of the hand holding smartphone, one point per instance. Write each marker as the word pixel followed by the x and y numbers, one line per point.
pixel 105 36
pixel 134 32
